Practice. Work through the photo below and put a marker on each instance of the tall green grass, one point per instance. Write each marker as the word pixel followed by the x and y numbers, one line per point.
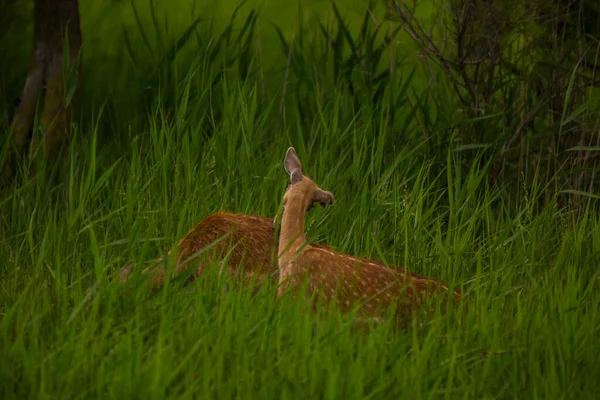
pixel 211 136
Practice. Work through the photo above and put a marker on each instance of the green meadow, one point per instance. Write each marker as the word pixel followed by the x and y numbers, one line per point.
pixel 180 119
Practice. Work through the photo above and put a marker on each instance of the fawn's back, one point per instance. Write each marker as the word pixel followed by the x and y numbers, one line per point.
pixel 372 287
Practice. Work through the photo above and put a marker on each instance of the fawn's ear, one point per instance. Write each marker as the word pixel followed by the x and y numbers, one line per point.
pixel 323 197
pixel 293 166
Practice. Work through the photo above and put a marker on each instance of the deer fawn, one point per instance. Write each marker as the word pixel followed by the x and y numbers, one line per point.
pixel 248 242
pixel 372 287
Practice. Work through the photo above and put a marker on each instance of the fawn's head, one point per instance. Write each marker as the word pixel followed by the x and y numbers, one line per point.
pixel 301 187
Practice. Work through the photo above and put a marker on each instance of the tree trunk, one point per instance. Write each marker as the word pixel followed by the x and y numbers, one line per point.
pixel 54 20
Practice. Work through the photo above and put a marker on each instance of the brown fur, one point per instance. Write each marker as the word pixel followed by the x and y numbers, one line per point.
pixel 244 239
pixel 370 286
pixel 249 243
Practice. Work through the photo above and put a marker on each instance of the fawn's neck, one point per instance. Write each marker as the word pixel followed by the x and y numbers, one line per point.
pixel 291 235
